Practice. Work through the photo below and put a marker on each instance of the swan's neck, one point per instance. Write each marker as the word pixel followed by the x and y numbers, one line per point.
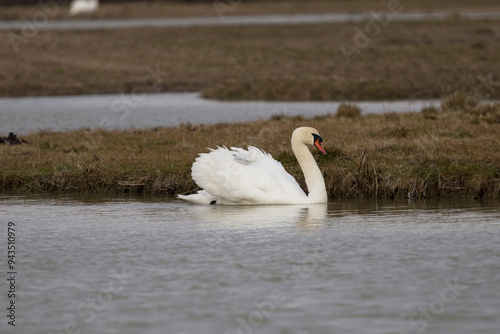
pixel 314 179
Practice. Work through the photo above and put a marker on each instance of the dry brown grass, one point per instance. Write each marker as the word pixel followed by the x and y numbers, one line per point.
pixel 407 60
pixel 452 154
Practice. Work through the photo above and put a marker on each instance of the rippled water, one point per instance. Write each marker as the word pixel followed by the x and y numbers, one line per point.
pixel 129 265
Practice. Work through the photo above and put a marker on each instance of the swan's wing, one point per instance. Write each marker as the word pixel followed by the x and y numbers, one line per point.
pixel 265 161
pixel 245 176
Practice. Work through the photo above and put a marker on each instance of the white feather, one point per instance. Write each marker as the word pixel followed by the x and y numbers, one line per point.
pixel 239 176
pixel 251 176
pixel 201 197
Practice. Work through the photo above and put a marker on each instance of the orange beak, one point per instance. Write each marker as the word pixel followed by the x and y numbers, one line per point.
pixel 320 147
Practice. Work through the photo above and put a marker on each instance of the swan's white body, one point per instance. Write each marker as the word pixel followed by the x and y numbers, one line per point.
pixel 239 176
pixel 83 6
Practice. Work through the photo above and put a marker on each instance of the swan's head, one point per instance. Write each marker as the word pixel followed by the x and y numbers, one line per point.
pixel 308 136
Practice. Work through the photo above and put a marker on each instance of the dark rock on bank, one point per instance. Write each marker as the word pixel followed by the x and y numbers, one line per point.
pixel 12 139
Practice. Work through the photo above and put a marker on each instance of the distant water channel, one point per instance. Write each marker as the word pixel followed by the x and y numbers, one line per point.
pixel 61 113
pixel 132 265
pixel 280 19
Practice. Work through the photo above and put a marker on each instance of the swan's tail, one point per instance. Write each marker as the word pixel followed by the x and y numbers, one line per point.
pixel 201 197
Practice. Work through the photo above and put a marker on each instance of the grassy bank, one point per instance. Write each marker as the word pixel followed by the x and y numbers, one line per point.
pixel 452 153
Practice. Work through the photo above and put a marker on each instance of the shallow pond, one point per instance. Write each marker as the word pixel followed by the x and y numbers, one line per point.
pixel 61 113
pixel 132 265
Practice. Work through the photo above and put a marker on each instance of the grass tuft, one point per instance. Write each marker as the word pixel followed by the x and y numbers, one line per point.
pixel 348 110
pixel 459 101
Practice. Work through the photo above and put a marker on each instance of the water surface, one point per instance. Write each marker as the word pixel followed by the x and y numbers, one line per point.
pixel 280 19
pixel 131 265
pixel 124 111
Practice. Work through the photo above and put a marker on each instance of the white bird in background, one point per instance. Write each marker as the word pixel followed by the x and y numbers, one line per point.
pixel 239 176
pixel 83 6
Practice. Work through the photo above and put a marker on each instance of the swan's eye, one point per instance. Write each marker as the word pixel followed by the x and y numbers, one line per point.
pixel 317 137
pixel 317 143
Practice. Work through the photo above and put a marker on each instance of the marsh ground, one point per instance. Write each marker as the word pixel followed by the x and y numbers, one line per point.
pixel 403 60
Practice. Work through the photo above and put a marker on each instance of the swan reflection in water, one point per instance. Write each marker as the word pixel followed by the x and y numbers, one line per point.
pixel 259 216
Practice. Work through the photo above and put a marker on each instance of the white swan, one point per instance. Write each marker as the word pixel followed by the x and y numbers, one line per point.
pixel 239 176
pixel 83 6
